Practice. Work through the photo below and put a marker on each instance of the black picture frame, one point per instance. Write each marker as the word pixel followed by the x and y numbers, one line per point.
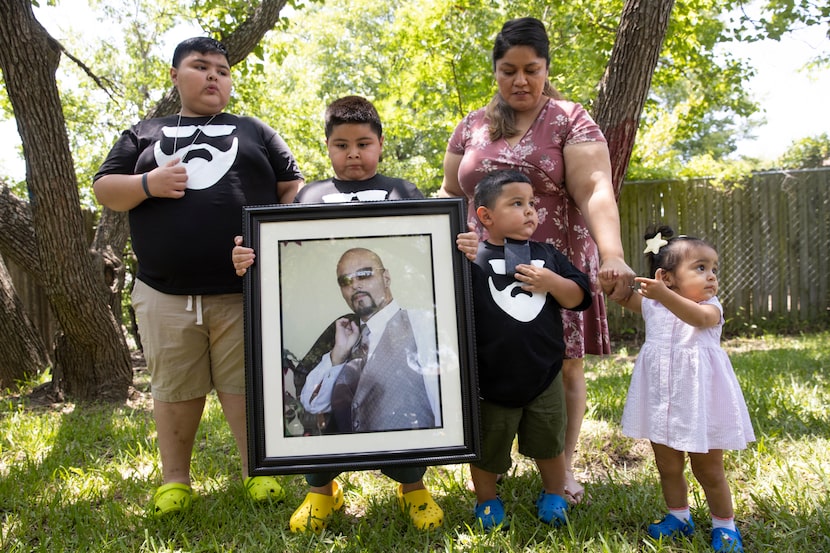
pixel 292 296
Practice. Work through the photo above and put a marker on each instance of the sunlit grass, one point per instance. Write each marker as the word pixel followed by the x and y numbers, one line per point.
pixel 80 478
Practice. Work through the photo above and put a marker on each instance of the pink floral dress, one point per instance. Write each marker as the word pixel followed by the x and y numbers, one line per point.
pixel 539 154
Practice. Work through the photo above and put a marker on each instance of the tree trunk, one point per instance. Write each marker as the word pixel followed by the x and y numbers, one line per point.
pixel 107 248
pixel 624 87
pixel 22 355
pixel 91 359
pixel 45 235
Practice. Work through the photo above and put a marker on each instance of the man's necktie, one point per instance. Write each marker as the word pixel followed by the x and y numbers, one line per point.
pixel 361 347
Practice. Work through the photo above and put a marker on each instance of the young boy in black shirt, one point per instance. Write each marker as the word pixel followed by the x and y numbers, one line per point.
pixel 354 140
pixel 184 180
pixel 519 287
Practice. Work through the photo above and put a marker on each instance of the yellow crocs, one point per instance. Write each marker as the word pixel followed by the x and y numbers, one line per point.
pixel 171 498
pixel 316 510
pixel 423 510
pixel 264 488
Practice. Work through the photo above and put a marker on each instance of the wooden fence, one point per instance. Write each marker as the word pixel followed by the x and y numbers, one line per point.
pixel 772 235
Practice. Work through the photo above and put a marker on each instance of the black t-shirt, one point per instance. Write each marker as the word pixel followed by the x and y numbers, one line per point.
pixel 377 188
pixel 519 337
pixel 183 246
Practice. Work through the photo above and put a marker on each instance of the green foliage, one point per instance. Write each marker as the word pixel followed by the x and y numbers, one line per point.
pixel 218 19
pixel 657 155
pixel 425 64
pixel 807 153
pixel 698 104
pixel 774 18
pixel 80 477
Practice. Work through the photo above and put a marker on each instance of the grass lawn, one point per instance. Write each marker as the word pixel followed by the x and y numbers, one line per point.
pixel 80 477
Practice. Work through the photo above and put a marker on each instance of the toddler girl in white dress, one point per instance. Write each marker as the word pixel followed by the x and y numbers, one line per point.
pixel 684 396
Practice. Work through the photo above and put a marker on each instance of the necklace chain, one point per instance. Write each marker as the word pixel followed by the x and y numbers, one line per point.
pixel 179 122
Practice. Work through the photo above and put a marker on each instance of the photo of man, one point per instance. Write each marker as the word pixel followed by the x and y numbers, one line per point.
pixel 375 368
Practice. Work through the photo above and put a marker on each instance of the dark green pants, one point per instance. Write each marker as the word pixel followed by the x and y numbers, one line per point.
pixel 403 475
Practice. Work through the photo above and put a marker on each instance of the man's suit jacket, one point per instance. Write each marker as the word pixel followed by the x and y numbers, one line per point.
pixel 391 394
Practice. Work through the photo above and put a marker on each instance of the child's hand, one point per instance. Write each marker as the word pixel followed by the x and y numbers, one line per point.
pixel 545 281
pixel 535 279
pixel 241 256
pixel 467 242
pixel 607 278
pixel 653 288
pixel 169 180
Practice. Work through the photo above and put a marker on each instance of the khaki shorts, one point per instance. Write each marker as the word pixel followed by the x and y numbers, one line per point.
pixel 540 426
pixel 192 344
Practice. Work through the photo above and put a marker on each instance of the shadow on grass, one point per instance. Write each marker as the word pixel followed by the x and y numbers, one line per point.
pixel 74 485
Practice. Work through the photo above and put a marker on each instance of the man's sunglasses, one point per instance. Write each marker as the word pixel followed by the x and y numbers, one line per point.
pixel 360 274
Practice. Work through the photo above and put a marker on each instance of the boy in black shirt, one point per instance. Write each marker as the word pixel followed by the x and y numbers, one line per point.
pixel 354 139
pixel 519 286
pixel 184 179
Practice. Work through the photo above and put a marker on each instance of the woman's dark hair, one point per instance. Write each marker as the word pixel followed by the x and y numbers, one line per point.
pixel 669 256
pixel 200 44
pixel 525 31
pixel 489 188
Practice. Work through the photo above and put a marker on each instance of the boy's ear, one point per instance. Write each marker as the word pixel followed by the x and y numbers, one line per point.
pixel 484 216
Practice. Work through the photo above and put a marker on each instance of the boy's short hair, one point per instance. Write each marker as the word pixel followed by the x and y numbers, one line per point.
pixel 355 110
pixel 489 188
pixel 200 44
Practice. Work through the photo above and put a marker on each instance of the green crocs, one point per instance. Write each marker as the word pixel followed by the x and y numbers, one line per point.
pixel 171 498
pixel 264 488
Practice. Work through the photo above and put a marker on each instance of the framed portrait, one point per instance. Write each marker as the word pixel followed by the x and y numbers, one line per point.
pixel 359 337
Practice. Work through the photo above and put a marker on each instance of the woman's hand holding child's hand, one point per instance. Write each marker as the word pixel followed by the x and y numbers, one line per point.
pixel 607 279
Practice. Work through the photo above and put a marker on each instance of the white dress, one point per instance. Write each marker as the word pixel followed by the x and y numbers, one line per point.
pixel 683 391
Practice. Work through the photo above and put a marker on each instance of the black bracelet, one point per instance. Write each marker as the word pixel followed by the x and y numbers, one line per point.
pixel 144 185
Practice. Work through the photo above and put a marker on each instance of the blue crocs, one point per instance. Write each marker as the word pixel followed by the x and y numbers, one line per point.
pixel 725 540
pixel 671 527
pixel 552 509
pixel 490 514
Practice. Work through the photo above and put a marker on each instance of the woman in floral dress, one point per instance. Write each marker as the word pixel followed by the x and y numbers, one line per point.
pixel 529 127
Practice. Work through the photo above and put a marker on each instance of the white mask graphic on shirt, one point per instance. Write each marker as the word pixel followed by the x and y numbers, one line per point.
pixel 522 305
pixel 205 163
pixel 359 196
